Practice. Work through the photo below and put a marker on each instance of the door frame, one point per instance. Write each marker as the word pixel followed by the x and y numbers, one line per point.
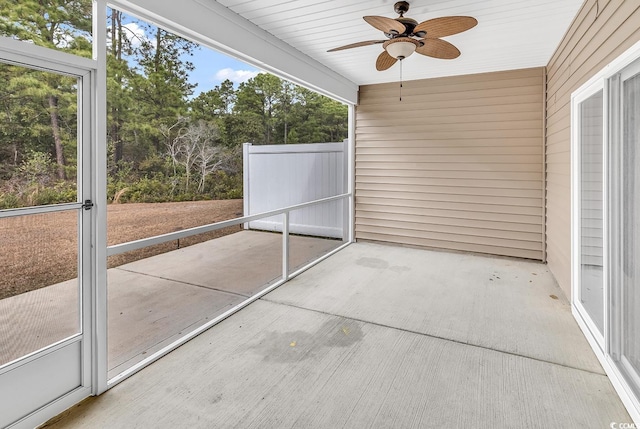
pixel 36 57
pixel 580 96
pixel 604 347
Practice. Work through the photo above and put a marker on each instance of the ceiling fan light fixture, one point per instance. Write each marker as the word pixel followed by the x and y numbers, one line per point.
pixel 406 36
pixel 401 48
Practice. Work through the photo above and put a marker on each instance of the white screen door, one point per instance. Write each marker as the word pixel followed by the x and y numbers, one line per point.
pixel 45 223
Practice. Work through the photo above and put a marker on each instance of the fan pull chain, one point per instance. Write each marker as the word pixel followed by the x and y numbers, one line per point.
pixel 400 80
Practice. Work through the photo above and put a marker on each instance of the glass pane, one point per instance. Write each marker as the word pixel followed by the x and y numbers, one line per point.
pixel 630 219
pixel 38 286
pixel 38 137
pixel 60 25
pixel 591 221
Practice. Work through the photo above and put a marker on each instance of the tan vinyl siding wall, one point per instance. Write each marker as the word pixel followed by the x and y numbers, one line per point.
pixel 457 164
pixel 602 30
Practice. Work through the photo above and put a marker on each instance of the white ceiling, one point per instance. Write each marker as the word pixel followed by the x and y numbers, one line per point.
pixel 510 34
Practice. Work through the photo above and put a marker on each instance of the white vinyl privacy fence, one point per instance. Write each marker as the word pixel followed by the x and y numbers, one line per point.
pixel 277 176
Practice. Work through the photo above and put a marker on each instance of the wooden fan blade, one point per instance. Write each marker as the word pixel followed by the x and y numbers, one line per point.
pixel 384 61
pixel 356 45
pixel 445 26
pixel 438 48
pixel 386 25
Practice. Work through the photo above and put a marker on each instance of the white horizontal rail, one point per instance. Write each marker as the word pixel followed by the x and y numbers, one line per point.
pixel 22 211
pixel 23 360
pixel 163 238
pixel 297 148
pixel 27 54
pixel 180 341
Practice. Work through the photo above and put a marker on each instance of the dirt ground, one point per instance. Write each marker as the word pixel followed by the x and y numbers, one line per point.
pixel 40 250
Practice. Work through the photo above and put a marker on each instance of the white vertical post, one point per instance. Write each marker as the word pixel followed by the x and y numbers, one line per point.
pixel 544 166
pixel 351 172
pixel 86 220
pixel 608 151
pixel 285 246
pixel 345 203
pixel 99 167
pixel 246 148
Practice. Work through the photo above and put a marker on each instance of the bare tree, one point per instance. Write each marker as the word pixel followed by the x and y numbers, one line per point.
pixel 194 148
pixel 173 143
pixel 209 160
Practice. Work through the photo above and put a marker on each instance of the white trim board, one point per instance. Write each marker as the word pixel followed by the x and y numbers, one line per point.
pixel 213 25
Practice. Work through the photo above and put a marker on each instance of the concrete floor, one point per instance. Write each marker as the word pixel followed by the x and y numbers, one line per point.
pixel 382 337
pixel 155 301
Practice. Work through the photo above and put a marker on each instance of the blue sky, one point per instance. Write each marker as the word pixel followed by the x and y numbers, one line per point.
pixel 211 67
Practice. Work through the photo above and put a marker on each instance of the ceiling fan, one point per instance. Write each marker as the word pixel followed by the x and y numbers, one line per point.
pixel 406 36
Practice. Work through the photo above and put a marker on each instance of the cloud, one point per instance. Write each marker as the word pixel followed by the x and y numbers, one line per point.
pixel 235 76
pixel 134 33
pixel 63 40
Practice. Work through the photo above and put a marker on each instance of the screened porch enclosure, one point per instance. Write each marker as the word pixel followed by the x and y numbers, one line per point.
pixel 155 301
pixel 379 336
pixel 474 278
pixel 295 212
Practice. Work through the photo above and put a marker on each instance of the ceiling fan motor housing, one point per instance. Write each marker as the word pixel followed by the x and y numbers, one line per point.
pixel 409 24
pixel 401 7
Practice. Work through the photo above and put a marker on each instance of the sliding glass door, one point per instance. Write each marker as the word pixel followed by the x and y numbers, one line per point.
pixel 625 209
pixel 605 150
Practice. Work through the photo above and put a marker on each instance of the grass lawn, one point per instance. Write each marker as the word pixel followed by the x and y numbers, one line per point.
pixel 41 250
